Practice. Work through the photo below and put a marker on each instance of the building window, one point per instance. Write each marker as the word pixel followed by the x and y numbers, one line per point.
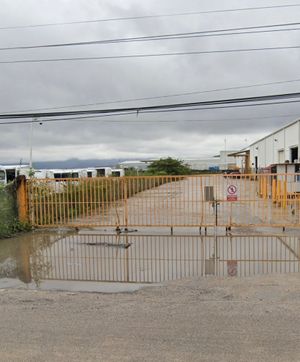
pixel 100 172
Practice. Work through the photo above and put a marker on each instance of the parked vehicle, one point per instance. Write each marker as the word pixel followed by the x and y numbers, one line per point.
pixel 9 173
pixel 232 173
pixel 118 172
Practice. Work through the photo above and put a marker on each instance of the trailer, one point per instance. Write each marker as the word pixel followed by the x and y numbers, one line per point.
pixel 118 172
pixel 9 173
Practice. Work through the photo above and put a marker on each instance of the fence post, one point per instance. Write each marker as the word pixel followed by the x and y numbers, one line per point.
pixel 125 193
pixel 22 201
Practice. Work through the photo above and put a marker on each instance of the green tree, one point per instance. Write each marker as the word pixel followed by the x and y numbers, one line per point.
pixel 168 166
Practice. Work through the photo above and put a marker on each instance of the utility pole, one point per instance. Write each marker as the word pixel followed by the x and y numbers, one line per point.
pixel 30 142
pixel 225 144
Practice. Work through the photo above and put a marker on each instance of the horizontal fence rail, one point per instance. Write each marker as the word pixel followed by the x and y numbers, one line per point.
pixel 157 258
pixel 159 201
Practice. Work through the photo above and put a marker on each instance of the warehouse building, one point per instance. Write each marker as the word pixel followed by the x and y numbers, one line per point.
pixel 220 162
pixel 278 148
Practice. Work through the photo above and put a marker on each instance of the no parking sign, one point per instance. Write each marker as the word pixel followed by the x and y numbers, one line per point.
pixel 232 193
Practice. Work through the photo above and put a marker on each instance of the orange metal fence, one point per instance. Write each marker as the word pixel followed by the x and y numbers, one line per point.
pixel 182 201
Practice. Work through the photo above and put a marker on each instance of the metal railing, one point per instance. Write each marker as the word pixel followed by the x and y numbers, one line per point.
pixel 183 201
pixel 157 258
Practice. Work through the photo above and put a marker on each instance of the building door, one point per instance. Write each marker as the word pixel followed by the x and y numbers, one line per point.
pixel 256 164
pixel 294 154
pixel 281 156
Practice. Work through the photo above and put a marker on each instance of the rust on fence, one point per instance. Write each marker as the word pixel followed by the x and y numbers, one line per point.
pixel 158 201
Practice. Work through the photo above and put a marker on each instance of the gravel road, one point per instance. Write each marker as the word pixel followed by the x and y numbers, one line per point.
pixel 209 319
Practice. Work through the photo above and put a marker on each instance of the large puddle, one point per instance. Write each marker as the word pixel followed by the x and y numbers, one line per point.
pixel 125 262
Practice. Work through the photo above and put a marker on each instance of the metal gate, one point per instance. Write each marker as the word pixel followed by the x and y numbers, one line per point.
pixel 166 201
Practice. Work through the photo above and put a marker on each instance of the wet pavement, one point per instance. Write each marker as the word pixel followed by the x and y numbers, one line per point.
pixel 106 261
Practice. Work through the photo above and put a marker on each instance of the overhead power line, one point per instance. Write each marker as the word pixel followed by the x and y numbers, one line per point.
pixel 160 96
pixel 141 17
pixel 218 107
pixel 150 55
pixel 171 36
pixel 137 121
pixel 162 107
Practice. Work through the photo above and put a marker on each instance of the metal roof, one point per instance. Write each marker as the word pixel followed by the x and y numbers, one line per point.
pixel 273 133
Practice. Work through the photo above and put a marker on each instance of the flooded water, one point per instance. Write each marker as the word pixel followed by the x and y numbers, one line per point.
pixel 86 261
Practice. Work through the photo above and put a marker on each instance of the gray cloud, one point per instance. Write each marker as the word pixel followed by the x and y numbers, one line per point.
pixel 180 134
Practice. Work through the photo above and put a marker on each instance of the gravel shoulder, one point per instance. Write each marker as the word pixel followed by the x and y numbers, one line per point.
pixel 208 319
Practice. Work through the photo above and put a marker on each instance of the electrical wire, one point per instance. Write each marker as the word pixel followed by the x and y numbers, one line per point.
pixel 151 55
pixel 159 97
pixel 162 107
pixel 137 121
pixel 173 36
pixel 221 107
pixel 141 17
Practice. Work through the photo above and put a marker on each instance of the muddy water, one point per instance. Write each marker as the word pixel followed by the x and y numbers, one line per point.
pixel 85 260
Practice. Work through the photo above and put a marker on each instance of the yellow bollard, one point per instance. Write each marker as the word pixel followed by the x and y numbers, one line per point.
pixel 284 201
pixel 278 193
pixel 261 186
pixel 274 190
pixel 265 188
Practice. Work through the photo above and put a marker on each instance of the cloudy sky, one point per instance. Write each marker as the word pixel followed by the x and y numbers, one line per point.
pixel 106 83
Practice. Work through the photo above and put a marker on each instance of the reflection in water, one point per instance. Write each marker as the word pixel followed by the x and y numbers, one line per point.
pixel 144 258
pixel 21 257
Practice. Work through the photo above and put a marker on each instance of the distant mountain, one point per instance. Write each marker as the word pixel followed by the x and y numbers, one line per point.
pixel 76 163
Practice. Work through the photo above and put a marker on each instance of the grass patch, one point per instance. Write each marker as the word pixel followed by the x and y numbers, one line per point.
pixel 9 223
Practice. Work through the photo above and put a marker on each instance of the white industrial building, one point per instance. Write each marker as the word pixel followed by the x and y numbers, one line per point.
pixel 223 161
pixel 279 147
pixel 220 162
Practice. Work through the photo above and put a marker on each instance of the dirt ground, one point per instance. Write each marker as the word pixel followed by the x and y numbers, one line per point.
pixel 209 319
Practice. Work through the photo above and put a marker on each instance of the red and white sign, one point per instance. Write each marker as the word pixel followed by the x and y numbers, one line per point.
pixel 232 193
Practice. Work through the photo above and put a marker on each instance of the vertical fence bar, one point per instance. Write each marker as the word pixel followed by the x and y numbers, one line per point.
pixel 125 193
